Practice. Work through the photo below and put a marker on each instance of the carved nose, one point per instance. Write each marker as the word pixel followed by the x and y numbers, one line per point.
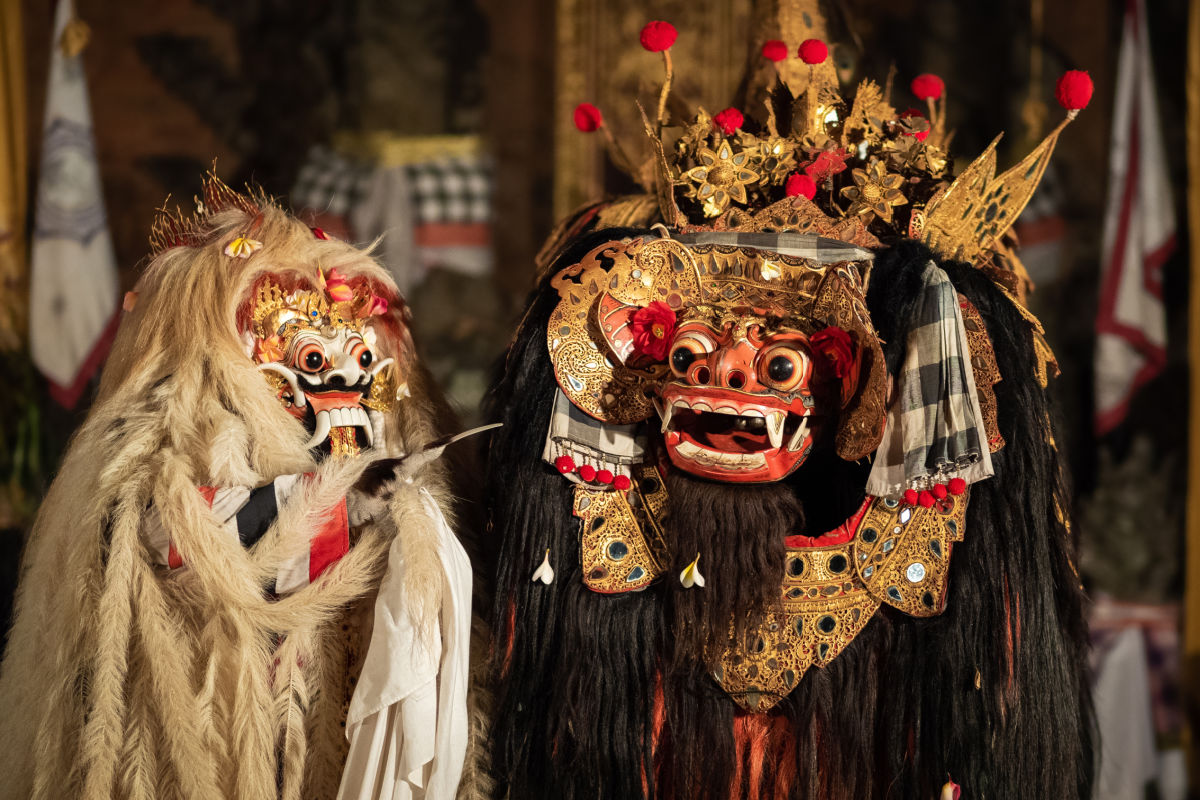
pixel 337 380
pixel 728 370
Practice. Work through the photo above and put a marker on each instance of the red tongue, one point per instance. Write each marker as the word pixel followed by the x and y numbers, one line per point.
pixel 735 441
pixel 717 431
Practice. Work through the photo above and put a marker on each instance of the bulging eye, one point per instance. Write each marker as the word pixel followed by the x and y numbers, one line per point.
pixel 681 359
pixel 686 350
pixel 782 368
pixel 362 354
pixel 311 358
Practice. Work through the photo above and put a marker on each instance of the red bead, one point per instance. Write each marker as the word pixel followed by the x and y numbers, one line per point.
pixel 320 234
pixel 813 52
pixel 957 486
pixel 926 500
pixel 658 36
pixel 928 87
pixel 729 121
pixel 588 118
pixel 775 50
pixel 939 491
pixel 622 482
pixel 587 472
pixel 910 497
pixel 604 476
pixel 1074 90
pixel 564 464
pixel 800 185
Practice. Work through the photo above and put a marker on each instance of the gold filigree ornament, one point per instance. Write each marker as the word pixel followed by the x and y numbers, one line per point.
pixel 721 177
pixel 900 555
pixel 875 191
pixel 824 606
pixel 774 160
pixel 278 315
pixel 986 370
pixel 972 213
pixel 386 390
pixel 621 545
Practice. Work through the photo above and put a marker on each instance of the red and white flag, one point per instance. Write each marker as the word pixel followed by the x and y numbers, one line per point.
pixel 1139 234
pixel 73 306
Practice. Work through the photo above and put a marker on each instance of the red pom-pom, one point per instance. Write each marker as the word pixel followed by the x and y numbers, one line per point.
pixel 729 121
pixel 564 464
pixel 604 476
pixel 925 499
pixel 775 50
pixel 910 497
pixel 939 491
pixel 621 483
pixel 587 472
pixel 658 36
pixel 928 87
pixel 320 234
pixel 587 117
pixel 800 185
pixel 957 486
pixel 1074 90
pixel 813 52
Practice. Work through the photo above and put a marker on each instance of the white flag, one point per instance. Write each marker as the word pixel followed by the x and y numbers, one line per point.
pixel 73 276
pixel 1139 234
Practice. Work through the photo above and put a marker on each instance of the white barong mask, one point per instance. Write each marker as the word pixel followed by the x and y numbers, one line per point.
pixel 320 353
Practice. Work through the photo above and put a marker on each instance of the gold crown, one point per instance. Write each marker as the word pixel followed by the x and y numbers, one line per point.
pixel 856 170
pixel 280 313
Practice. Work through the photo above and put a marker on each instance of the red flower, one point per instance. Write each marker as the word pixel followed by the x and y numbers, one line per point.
pixel 813 52
pixel 377 306
pixel 729 121
pixel 800 186
pixel 335 286
pixel 587 117
pixel 928 87
pixel 653 330
pixel 835 345
pixel 775 50
pixel 658 36
pixel 1074 90
pixel 827 164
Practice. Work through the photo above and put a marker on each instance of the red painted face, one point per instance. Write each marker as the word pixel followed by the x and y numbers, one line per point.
pixel 740 406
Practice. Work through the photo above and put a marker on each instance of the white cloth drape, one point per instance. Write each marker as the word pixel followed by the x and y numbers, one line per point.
pixel 407 722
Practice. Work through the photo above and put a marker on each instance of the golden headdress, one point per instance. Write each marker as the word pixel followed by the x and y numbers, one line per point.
pixel 815 161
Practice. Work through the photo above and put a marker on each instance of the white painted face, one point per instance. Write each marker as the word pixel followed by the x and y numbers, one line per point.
pixel 331 358
pixel 329 372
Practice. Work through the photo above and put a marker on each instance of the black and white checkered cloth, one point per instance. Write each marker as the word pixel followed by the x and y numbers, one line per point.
pixel 586 440
pixel 329 182
pixel 803 245
pixel 935 427
pixel 455 190
pixel 451 190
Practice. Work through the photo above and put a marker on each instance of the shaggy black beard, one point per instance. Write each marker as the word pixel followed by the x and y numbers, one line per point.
pixel 738 530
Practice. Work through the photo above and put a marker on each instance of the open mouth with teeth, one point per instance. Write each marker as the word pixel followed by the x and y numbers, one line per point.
pixel 326 412
pixel 742 439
